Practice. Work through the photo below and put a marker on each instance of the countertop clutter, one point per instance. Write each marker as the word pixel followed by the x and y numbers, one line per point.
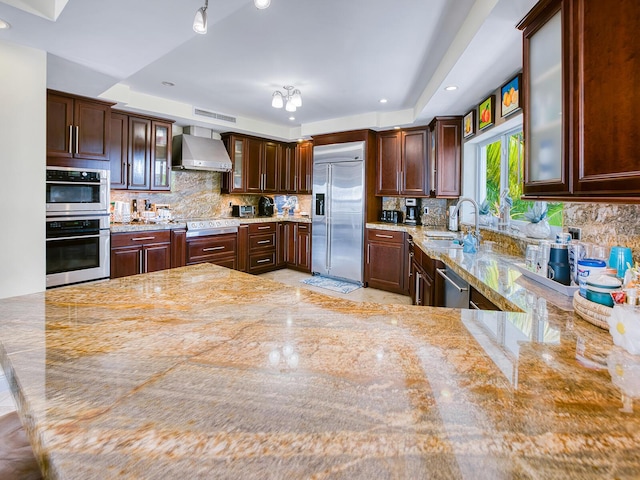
pixel 206 372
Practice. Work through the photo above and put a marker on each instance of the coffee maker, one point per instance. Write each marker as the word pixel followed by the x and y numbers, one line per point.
pixel 265 207
pixel 412 207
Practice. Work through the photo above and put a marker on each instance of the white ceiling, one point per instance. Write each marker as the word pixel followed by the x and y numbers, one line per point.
pixel 344 55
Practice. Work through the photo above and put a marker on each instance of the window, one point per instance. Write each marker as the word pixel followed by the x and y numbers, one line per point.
pixel 501 172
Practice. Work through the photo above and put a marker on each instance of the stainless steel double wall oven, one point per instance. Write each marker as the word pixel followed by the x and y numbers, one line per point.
pixel 77 231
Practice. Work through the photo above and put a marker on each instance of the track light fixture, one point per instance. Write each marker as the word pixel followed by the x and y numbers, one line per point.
pixel 200 20
pixel 290 100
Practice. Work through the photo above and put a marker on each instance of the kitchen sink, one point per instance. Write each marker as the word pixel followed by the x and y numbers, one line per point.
pixel 440 243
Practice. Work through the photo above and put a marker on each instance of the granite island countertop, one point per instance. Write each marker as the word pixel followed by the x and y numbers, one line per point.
pixel 205 372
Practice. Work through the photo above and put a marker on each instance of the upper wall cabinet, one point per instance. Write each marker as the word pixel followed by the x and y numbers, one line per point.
pixel 265 166
pixel 401 167
pixel 140 152
pixel 446 156
pixel 77 128
pixel 580 100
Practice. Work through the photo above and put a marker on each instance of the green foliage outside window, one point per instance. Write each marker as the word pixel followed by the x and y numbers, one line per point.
pixel 516 166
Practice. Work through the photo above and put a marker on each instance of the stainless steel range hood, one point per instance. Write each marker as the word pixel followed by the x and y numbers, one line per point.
pixel 195 149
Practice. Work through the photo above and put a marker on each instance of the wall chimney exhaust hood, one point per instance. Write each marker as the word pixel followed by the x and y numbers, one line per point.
pixel 195 149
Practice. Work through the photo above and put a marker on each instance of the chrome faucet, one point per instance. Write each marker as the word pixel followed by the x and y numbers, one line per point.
pixel 477 213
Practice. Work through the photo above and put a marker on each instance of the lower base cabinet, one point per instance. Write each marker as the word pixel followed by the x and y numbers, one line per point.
pixel 477 301
pixel 262 247
pixel 218 249
pixel 140 252
pixel 256 248
pixel 385 260
pixel 424 287
pixel 296 242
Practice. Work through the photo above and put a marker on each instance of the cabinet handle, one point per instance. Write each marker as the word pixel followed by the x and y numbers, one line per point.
pixel 383 236
pixel 137 239
pixel 368 253
pixel 211 249
pixel 146 260
pixel 418 296
pixel 398 181
pixel 140 270
pixel 473 305
pixel 443 274
pixel 262 242
pixel 70 138
pixel 263 228
pixel 77 136
pixel 264 260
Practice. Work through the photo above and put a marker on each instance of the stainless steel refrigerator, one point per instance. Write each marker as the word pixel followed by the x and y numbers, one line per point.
pixel 338 211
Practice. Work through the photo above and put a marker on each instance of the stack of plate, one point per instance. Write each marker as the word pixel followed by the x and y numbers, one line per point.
pixel 599 289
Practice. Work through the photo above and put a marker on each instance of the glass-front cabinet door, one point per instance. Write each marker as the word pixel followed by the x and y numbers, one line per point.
pixel 546 119
pixel 161 160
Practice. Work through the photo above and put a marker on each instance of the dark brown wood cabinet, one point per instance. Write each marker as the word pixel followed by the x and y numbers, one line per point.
pixel 422 279
pixel 256 165
pixel 178 247
pixel 218 249
pixel 477 301
pixel 243 248
pixel 402 163
pixel 140 252
pixel 77 128
pixel 262 247
pixel 140 151
pixel 584 145
pixel 385 260
pixel 304 167
pixel 445 139
pixel 296 243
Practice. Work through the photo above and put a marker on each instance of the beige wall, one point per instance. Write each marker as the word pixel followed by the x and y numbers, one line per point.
pixel 22 162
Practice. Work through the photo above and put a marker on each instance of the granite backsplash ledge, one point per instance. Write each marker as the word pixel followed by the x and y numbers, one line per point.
pixel 197 195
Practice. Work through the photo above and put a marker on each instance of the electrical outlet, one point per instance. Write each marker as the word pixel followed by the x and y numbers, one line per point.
pixel 425 210
pixel 576 233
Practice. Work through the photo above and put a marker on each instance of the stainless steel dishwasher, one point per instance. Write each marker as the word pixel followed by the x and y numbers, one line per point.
pixel 456 290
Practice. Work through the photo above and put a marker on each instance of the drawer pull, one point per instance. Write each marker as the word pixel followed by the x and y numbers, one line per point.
pixel 474 305
pixel 137 239
pixel 264 260
pixel 262 242
pixel 211 249
pixel 264 228
pixel 383 236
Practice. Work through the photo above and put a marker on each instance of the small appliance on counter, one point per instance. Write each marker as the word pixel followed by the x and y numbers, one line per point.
pixel 391 216
pixel 412 206
pixel 265 207
pixel 243 211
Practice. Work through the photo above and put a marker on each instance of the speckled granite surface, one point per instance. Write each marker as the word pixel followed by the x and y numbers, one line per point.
pixel 203 372
pixel 143 227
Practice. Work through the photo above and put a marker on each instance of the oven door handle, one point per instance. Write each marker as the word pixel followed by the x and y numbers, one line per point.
pixel 73 238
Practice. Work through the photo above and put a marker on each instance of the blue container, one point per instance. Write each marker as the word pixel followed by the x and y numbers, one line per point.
pixel 620 258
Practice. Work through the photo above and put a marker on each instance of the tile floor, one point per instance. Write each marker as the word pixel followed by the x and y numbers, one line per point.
pixel 293 278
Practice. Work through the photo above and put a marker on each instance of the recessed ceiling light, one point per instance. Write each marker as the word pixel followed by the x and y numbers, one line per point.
pixel 450 88
pixel 292 118
pixel 396 128
pixel 383 100
pixel 168 84
pixel 4 25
